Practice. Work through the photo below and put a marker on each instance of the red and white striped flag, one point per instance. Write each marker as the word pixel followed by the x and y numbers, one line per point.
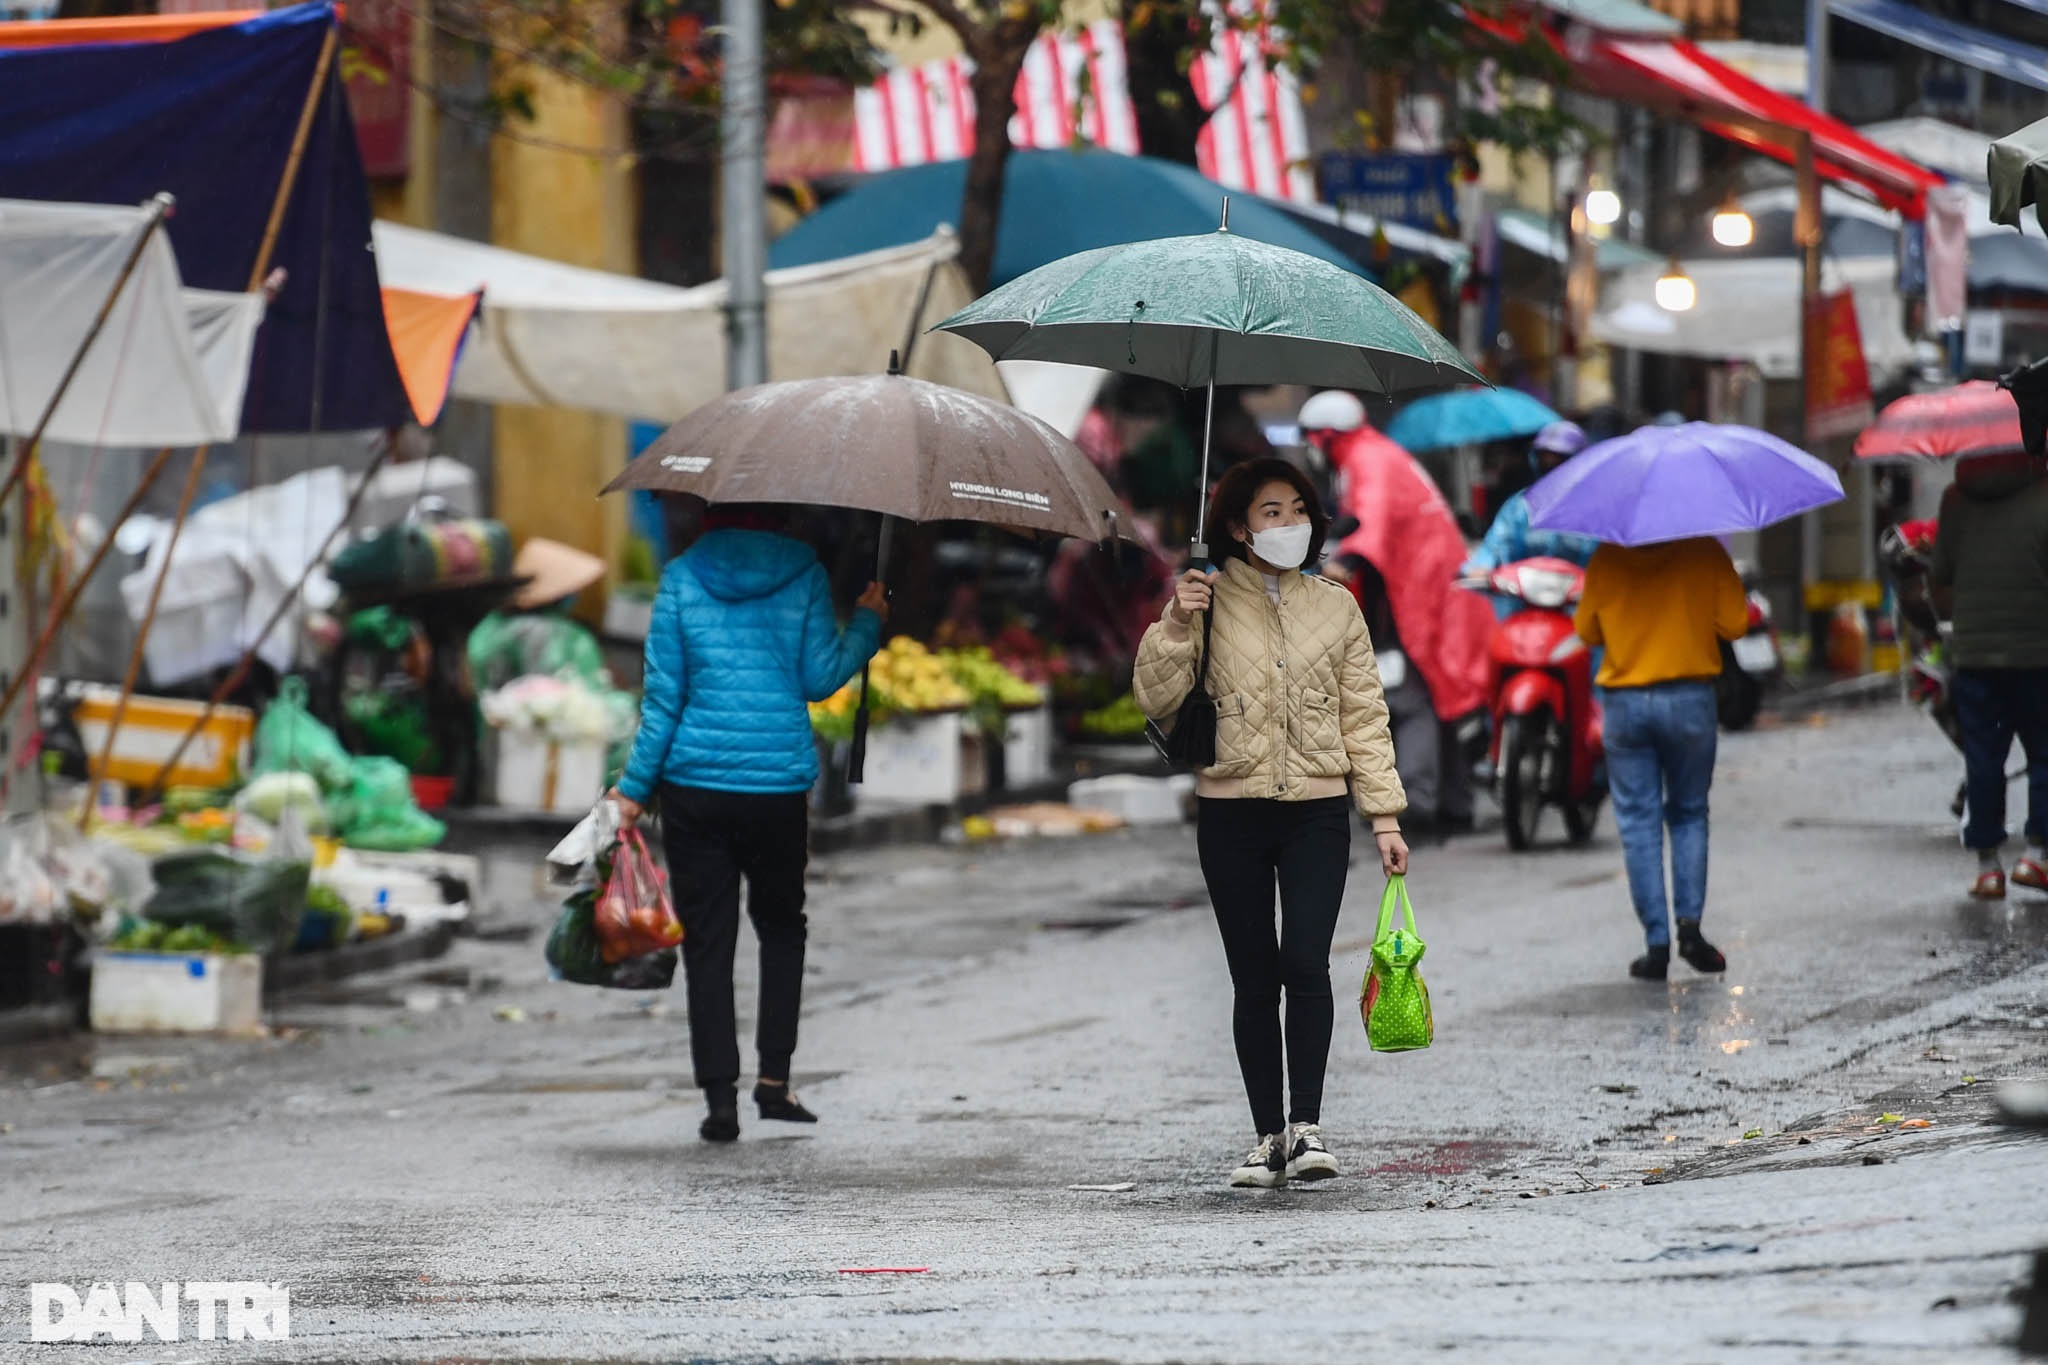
pixel 1074 88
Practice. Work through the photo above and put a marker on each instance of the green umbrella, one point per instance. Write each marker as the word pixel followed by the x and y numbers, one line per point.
pixel 1214 309
pixel 2017 168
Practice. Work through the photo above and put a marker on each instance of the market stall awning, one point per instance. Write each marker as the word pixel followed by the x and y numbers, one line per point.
pixel 427 331
pixel 562 336
pixel 2018 168
pixel 1992 53
pixel 119 28
pixel 1749 310
pixel 167 368
pixel 1680 80
pixel 211 119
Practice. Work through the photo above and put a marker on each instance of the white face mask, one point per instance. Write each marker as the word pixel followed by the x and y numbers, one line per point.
pixel 1284 547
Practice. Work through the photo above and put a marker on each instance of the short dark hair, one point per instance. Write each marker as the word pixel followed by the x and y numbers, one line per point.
pixel 1232 506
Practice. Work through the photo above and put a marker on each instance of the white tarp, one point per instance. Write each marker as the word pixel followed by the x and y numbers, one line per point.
pixel 236 561
pixel 168 368
pixel 563 336
pixel 1748 309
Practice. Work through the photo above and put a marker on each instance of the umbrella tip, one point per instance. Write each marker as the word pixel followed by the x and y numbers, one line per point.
pixel 895 362
pixel 1225 225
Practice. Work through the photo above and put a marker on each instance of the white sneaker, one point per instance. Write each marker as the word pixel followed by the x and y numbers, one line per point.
pixel 1265 1167
pixel 1307 1158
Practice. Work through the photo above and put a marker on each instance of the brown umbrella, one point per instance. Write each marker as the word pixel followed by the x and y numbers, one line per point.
pixel 882 443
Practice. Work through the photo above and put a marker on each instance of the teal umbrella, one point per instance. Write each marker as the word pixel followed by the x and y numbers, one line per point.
pixel 1469 417
pixel 1212 309
pixel 1055 203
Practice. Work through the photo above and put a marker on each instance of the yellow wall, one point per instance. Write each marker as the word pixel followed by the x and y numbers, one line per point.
pixel 577 208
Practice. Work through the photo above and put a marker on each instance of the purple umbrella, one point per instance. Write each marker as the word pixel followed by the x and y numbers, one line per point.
pixel 1672 483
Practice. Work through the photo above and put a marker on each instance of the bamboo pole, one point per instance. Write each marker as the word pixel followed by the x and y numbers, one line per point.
pixel 158 208
pixel 248 659
pixel 279 203
pixel 64 604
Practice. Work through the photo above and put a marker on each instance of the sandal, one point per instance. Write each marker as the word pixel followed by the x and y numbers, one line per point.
pixel 2028 873
pixel 1989 886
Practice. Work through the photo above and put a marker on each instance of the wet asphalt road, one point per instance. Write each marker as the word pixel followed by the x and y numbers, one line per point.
pixel 466 1161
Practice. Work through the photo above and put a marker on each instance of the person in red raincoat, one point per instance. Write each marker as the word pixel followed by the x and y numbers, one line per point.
pixel 1406 552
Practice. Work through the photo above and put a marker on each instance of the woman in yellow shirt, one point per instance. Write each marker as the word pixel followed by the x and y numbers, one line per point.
pixel 1661 612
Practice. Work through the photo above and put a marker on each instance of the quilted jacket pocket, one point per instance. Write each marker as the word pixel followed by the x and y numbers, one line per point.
pixel 1320 732
pixel 1237 739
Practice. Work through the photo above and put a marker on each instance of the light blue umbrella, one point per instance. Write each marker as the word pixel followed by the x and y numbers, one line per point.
pixel 1673 483
pixel 1468 417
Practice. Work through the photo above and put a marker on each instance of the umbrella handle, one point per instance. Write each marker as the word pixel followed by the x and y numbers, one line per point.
pixel 857 752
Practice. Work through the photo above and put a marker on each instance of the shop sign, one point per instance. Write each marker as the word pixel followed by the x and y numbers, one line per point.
pixel 1411 189
pixel 1837 379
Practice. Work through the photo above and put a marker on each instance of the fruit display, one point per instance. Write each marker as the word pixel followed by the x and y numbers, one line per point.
pixel 984 678
pixel 1027 656
pixel 1121 719
pixel 914 678
pixel 904 677
pixel 147 936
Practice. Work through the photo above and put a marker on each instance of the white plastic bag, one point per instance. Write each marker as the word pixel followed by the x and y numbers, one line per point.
pixel 574 861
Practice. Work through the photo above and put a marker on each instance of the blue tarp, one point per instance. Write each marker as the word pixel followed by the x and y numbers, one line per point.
pixel 1055 203
pixel 210 118
pixel 2018 62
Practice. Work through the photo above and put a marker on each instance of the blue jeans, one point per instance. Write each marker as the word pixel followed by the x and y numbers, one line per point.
pixel 1661 742
pixel 1992 706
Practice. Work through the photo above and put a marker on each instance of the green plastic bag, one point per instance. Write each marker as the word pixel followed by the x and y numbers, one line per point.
pixel 380 814
pixel 250 901
pixel 290 740
pixel 575 954
pixel 1394 1000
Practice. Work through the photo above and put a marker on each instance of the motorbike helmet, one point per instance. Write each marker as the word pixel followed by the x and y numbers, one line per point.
pixel 1332 410
pixel 1561 440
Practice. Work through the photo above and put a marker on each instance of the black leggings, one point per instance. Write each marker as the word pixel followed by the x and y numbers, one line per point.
pixel 1304 847
pixel 714 839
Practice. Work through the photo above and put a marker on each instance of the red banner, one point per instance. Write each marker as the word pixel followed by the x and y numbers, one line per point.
pixel 1837 380
pixel 376 65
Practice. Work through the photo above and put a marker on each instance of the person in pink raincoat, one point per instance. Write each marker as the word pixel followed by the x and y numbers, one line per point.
pixel 1406 552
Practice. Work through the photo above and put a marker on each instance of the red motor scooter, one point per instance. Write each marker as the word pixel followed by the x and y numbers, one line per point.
pixel 1546 722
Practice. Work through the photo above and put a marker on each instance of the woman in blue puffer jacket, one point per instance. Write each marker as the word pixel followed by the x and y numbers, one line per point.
pixel 743 637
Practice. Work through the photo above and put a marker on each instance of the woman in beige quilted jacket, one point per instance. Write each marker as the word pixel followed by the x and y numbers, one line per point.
pixel 1301 738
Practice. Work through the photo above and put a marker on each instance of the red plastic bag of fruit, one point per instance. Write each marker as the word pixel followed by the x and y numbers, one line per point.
pixel 634 915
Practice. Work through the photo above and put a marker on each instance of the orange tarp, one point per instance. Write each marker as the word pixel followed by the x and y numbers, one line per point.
pixel 134 28
pixel 426 337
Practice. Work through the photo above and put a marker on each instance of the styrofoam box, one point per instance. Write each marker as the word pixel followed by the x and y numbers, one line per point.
pixel 913 759
pixel 1139 800
pixel 628 615
pixel 533 774
pixel 1027 747
pixel 176 993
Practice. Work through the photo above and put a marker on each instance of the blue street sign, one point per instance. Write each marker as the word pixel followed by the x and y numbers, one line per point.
pixel 1395 188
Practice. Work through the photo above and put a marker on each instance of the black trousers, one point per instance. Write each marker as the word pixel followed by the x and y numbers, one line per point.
pixel 1303 848
pixel 713 839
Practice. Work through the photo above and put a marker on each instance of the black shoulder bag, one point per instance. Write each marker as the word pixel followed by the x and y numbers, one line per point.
pixel 1191 743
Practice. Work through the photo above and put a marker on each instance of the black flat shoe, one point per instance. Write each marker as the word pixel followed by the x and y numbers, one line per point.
pixel 1703 956
pixel 1653 965
pixel 722 1124
pixel 777 1103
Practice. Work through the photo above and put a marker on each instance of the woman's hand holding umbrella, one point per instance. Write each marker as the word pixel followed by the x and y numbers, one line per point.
pixel 1191 594
pixel 875 598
